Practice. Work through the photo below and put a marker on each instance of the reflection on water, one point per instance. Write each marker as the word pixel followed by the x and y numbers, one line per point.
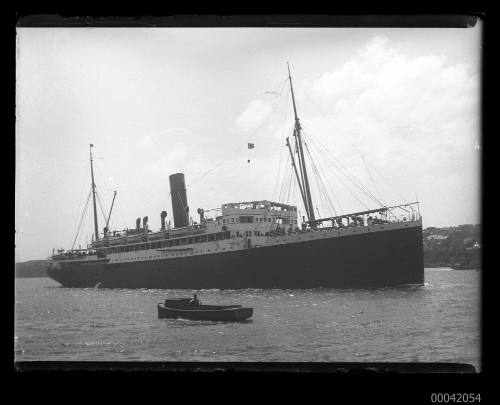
pixel 438 321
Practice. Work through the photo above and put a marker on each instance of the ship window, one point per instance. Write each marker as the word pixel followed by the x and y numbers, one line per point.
pixel 246 219
pixel 211 237
pixel 268 219
pixel 177 242
pixel 183 241
pixel 190 241
pixel 232 219
pixel 147 246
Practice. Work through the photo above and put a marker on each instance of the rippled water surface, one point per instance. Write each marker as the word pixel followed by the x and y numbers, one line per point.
pixel 435 322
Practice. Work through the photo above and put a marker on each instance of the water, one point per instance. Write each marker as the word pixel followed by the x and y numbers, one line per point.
pixel 438 322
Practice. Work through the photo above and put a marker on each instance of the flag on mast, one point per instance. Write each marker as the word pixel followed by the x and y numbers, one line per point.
pixel 251 146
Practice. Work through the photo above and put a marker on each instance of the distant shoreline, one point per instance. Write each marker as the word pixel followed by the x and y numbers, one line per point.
pixel 32 269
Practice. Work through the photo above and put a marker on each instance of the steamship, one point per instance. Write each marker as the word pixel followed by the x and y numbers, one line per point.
pixel 253 244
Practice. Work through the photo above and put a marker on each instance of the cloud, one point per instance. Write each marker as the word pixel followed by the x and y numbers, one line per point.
pixel 148 140
pixel 410 116
pixel 254 115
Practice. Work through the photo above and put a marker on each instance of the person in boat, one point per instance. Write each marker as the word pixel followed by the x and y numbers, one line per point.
pixel 194 302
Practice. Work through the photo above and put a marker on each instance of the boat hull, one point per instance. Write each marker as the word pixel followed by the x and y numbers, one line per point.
pixel 369 260
pixel 218 314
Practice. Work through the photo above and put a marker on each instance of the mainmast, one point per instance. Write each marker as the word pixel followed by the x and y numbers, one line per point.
pixel 93 194
pixel 302 163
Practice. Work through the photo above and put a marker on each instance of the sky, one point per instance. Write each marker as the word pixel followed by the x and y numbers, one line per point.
pixel 397 109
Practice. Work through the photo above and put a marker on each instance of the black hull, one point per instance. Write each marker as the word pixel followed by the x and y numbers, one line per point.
pixel 370 260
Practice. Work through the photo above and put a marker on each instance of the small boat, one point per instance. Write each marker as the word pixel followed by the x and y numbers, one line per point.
pixel 179 308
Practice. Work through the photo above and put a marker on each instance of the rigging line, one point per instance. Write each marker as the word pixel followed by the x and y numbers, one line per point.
pixel 347 173
pixel 81 220
pixel 315 177
pixel 328 187
pixel 320 186
pixel 339 178
pixel 283 180
pixel 288 184
pixel 278 173
pixel 351 176
pixel 350 144
pixel 332 193
pixel 101 207
pixel 79 205
pixel 118 205
pixel 283 137
pixel 281 153
pixel 281 196
pixel 371 178
pixel 330 205
pixel 389 184
pixel 215 167
pixel 289 187
pixel 252 135
pixel 332 122
pixel 336 167
pixel 354 147
pixel 83 183
pixel 327 204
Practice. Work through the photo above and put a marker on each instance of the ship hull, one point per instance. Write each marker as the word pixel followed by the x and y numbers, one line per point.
pixel 369 260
